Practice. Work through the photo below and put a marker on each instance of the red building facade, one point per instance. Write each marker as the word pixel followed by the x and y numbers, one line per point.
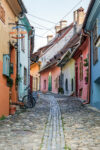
pixel 82 57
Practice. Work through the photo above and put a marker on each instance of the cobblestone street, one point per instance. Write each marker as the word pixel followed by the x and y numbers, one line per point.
pixel 56 123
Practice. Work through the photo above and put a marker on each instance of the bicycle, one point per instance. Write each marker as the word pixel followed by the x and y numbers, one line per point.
pixel 28 100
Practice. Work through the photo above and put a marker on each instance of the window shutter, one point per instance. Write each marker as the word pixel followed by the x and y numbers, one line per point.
pixel 95 49
pixel 66 84
pixel 81 71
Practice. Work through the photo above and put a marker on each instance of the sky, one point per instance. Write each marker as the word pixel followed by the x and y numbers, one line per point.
pixel 52 11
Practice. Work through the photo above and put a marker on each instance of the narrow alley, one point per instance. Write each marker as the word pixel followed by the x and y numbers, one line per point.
pixel 56 123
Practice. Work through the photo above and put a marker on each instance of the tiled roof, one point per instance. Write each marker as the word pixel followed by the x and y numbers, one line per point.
pixel 56 39
pixel 71 44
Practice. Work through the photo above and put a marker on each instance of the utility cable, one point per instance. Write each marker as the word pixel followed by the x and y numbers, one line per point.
pixel 41 18
pixel 65 15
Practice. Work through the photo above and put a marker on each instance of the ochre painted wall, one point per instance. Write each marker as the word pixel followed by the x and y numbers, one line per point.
pixel 13 76
pixel 5 28
pixel 34 72
pixel 4 94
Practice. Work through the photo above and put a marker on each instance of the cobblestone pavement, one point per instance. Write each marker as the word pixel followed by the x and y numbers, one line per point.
pixel 81 125
pixel 54 137
pixel 71 126
pixel 25 130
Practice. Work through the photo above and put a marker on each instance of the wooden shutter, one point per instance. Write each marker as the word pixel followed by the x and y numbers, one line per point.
pixel 66 84
pixel 81 70
pixel 95 49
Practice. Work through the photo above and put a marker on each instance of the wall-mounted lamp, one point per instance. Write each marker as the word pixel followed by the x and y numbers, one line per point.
pixel 97 43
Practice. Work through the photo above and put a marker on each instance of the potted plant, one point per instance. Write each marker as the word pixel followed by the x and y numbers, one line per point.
pixel 9 82
pixel 12 109
pixel 86 64
pixel 18 79
pixel 60 90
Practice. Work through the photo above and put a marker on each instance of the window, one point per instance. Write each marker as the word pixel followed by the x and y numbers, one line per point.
pixel 25 76
pixel 57 82
pixel 66 85
pixel 6 65
pixel 11 68
pixel 81 71
pixel 2 14
pixel 80 92
pixel 72 84
pixel 44 84
pixel 22 43
pixel 95 49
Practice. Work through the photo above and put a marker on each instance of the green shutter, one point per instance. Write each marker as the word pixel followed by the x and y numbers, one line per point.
pixel 50 82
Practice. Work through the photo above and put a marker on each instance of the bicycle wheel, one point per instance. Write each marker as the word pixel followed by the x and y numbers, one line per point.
pixel 33 101
pixel 27 102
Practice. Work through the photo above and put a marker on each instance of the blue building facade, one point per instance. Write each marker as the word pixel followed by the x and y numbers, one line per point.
pixel 92 26
pixel 23 56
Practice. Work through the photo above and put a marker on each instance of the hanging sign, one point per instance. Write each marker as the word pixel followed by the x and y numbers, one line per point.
pixel 18 32
pixel 18 27
pixel 18 37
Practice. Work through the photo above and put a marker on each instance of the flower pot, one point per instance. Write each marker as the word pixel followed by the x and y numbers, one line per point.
pixel 12 110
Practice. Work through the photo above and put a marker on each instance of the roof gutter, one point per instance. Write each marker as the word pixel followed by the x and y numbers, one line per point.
pixel 22 6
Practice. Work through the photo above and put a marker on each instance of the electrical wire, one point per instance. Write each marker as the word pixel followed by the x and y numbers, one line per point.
pixel 41 18
pixel 64 16
pixel 41 26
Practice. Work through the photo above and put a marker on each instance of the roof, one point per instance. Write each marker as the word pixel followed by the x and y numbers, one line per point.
pixel 34 57
pixel 22 6
pixel 88 12
pixel 70 48
pixel 61 54
pixel 56 39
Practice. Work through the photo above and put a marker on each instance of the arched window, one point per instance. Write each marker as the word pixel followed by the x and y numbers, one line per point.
pixel 66 85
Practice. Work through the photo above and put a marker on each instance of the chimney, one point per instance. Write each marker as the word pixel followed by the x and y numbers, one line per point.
pixel 57 29
pixel 79 16
pixel 63 24
pixel 49 38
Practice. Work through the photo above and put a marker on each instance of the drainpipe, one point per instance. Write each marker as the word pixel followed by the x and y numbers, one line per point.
pixel 87 34
pixel 29 38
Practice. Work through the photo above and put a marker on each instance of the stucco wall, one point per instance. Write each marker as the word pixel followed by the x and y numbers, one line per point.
pixel 23 62
pixel 95 69
pixel 5 28
pixel 56 48
pixel 69 73
pixel 34 72
pixel 55 72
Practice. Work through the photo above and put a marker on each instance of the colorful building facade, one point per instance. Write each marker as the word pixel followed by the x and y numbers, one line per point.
pixel 34 72
pixel 50 79
pixel 8 54
pixel 23 56
pixel 81 57
pixel 91 27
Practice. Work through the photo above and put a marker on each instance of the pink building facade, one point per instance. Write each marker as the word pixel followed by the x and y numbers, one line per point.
pixel 50 79
pixel 82 70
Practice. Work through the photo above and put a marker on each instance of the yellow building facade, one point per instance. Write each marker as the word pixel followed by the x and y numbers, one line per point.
pixel 34 72
pixel 9 11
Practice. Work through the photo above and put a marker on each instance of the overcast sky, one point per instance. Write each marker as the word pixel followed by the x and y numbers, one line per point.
pixel 51 10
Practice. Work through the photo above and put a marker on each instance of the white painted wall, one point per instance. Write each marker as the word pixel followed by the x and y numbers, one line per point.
pixel 69 73
pixel 51 51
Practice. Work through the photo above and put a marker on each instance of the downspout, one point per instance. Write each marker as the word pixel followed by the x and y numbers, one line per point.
pixel 87 34
pixel 29 53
